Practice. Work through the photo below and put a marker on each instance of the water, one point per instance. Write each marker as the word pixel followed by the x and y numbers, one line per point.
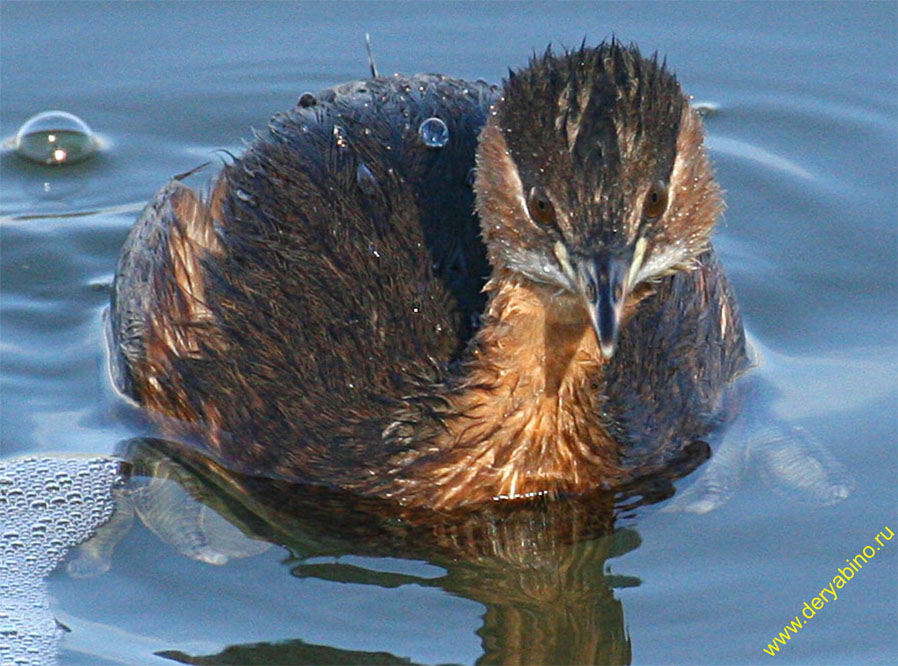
pixel 803 135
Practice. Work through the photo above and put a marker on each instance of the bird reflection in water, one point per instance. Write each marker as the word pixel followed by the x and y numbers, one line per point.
pixel 538 566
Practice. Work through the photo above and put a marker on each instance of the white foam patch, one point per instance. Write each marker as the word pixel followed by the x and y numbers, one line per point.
pixel 47 505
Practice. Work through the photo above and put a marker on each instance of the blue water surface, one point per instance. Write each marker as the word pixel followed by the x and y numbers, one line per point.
pixel 804 143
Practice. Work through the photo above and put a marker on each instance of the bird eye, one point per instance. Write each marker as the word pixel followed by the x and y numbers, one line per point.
pixel 540 207
pixel 655 202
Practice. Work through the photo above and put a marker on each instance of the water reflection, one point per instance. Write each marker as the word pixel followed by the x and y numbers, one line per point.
pixel 538 567
pixel 790 460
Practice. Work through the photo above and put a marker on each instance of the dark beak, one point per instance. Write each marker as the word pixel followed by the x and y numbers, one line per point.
pixel 603 283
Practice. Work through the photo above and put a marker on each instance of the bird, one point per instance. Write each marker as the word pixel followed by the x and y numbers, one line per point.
pixel 441 292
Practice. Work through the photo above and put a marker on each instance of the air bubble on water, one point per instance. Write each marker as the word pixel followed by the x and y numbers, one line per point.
pixel 55 138
pixel 433 133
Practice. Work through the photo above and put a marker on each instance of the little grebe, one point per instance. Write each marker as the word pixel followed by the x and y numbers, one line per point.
pixel 327 313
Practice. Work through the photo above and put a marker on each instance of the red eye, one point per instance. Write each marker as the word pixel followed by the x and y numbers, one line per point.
pixel 540 206
pixel 655 202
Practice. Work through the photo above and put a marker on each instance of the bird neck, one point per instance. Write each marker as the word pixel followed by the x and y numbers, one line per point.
pixel 535 341
pixel 523 418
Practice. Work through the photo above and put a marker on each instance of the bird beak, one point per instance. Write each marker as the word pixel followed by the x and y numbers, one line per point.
pixel 603 281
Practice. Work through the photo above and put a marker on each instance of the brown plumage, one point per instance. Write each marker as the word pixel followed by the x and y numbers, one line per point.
pixel 311 319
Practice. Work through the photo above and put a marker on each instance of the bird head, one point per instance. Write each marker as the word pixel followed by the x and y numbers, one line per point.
pixel 592 178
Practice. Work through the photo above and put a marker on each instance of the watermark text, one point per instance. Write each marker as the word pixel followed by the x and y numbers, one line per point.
pixel 829 593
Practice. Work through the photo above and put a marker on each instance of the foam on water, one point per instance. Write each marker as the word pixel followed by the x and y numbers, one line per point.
pixel 47 505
